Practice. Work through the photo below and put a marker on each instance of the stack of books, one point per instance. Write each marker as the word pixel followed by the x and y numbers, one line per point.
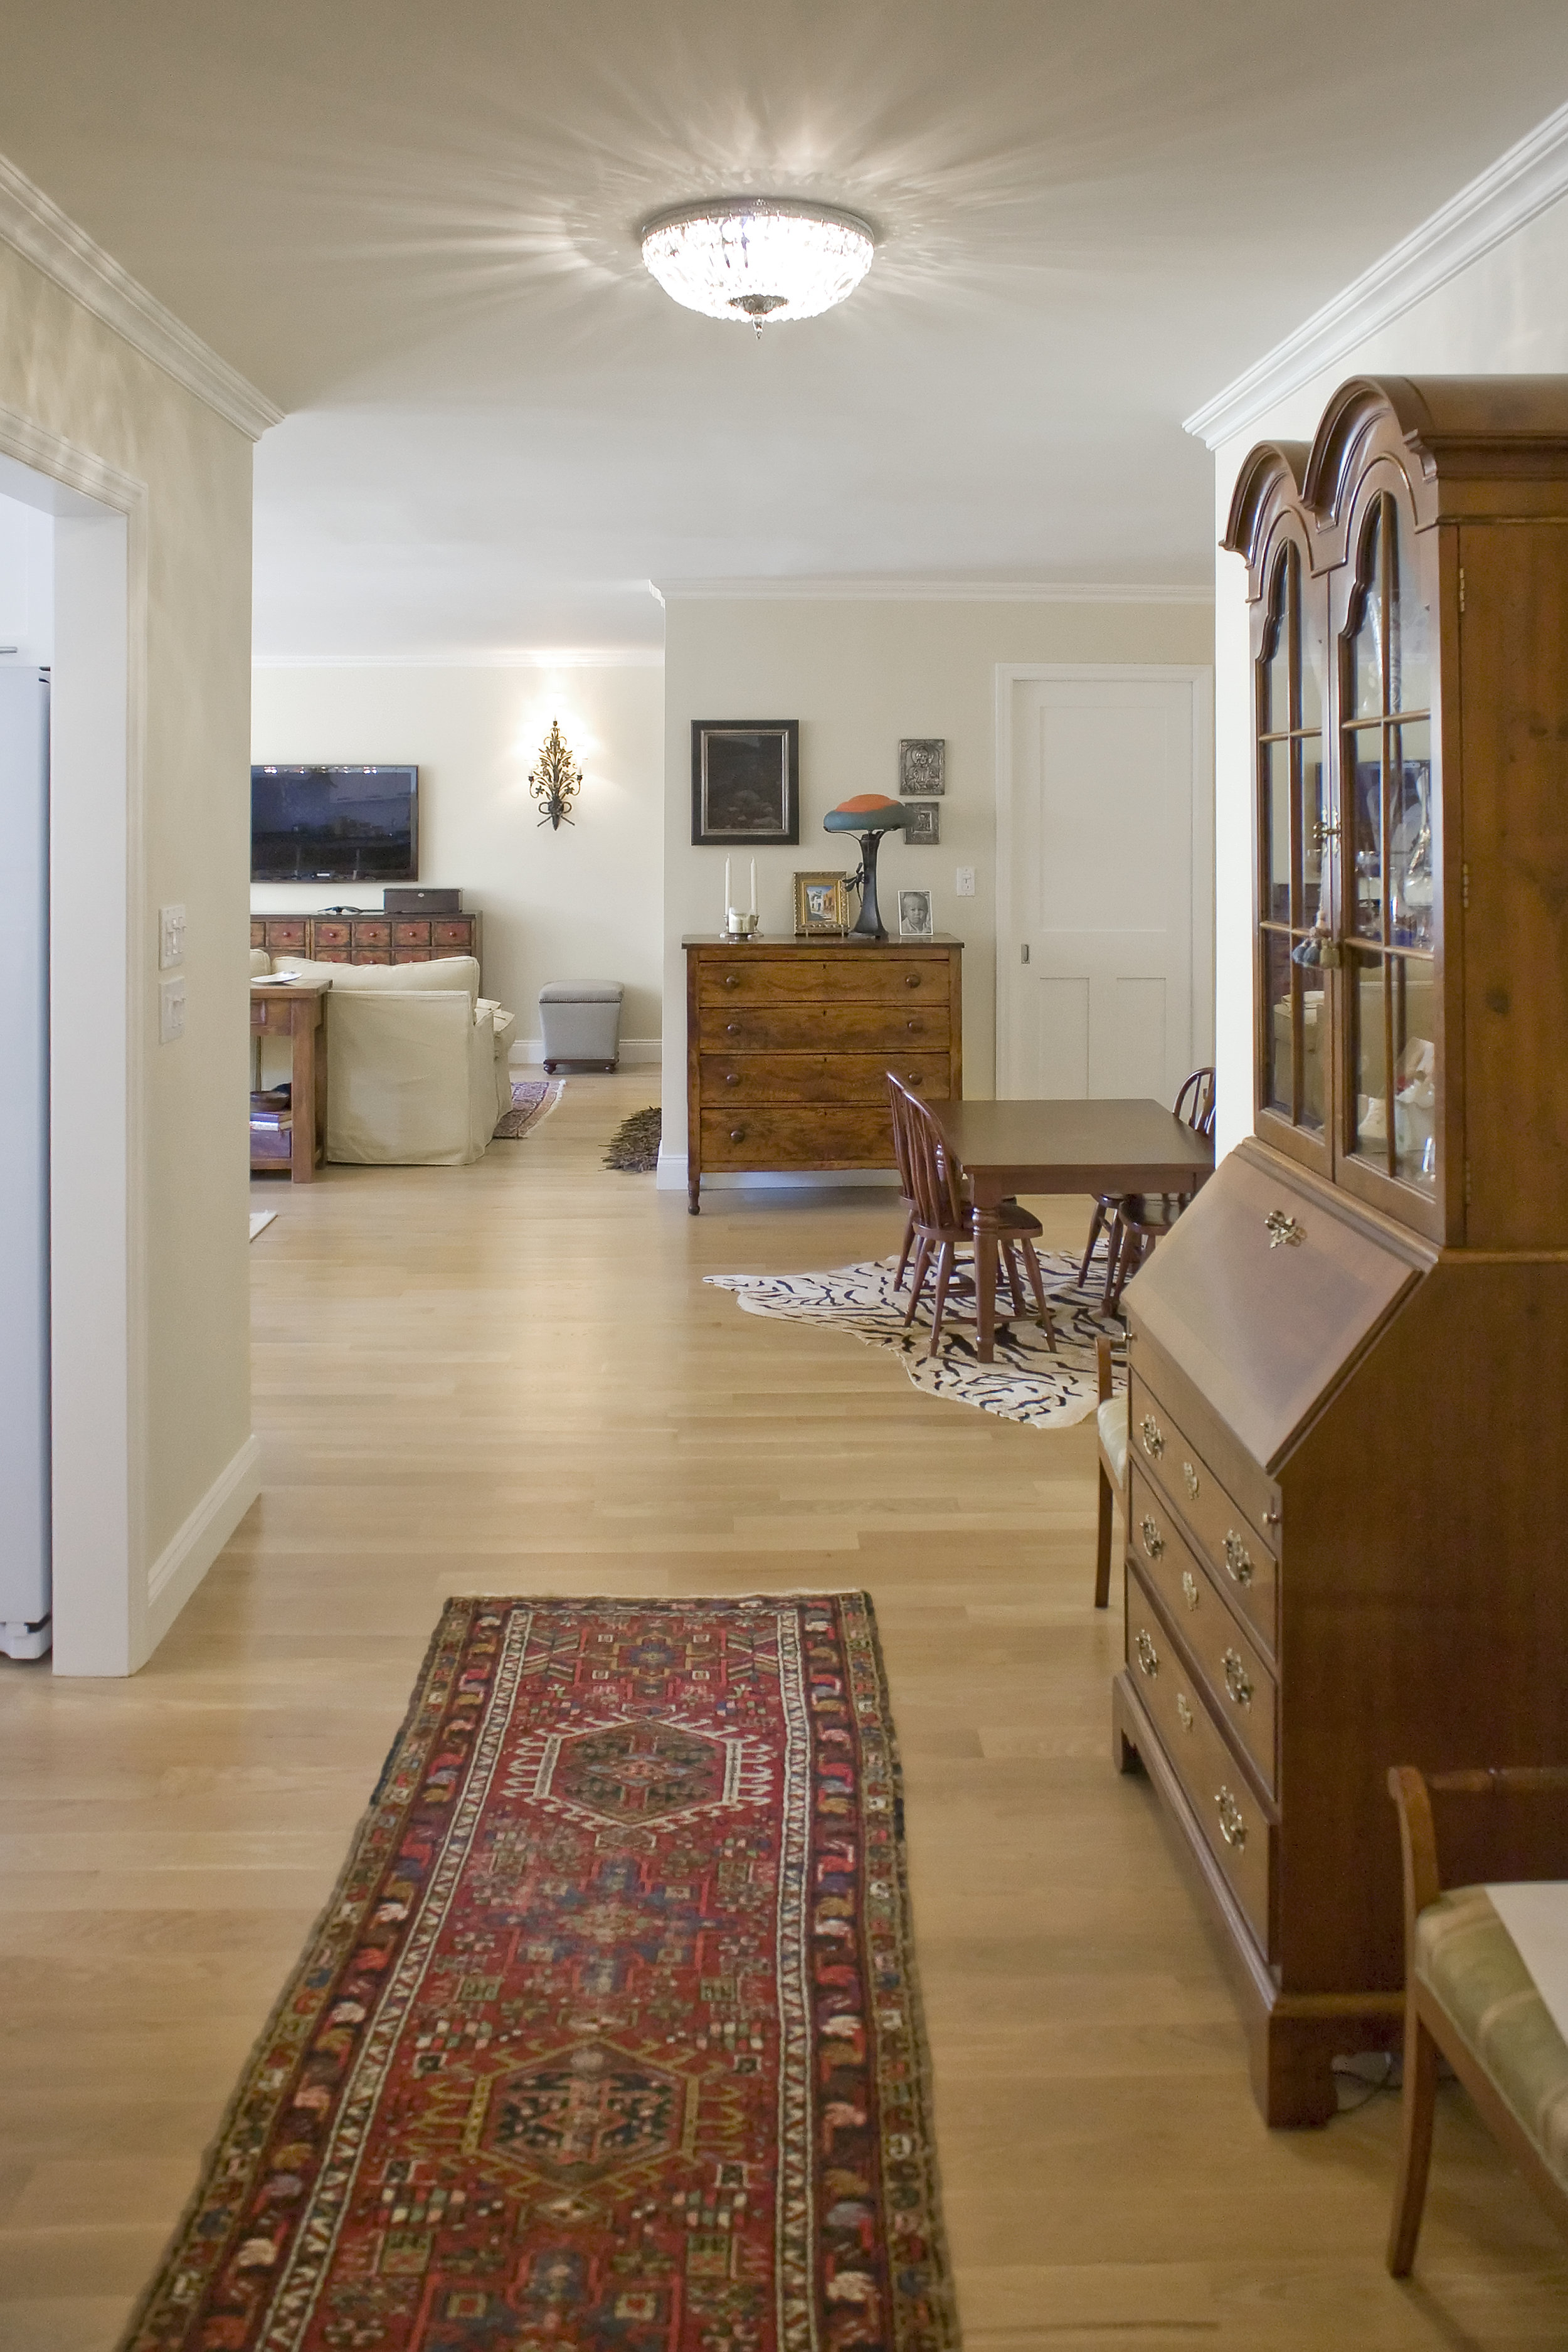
pixel 272 1125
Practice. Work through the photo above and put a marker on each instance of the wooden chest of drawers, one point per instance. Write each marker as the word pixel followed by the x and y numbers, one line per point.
pixel 789 1044
pixel 367 939
pixel 1341 1445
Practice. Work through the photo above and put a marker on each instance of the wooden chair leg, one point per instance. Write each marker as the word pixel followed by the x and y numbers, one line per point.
pixel 1112 1252
pixel 1095 1224
pixel 1420 2098
pixel 918 1277
pixel 944 1262
pixel 1102 1543
pixel 1043 1314
pixel 904 1253
pixel 1009 1253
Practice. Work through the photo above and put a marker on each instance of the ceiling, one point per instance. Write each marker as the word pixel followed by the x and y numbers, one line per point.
pixel 414 226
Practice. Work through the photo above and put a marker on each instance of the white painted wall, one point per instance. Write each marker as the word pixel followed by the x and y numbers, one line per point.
pixel 584 902
pixel 1504 314
pixel 860 674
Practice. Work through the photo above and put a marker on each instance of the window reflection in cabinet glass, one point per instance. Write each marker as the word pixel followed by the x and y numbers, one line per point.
pixel 1366 645
pixel 1315 834
pixel 1410 871
pixel 1409 626
pixel 1279 1090
pixel 1364 783
pixel 1393 1011
pixel 1277 827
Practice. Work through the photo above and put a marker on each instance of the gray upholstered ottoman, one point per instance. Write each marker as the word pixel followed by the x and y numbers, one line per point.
pixel 580 1021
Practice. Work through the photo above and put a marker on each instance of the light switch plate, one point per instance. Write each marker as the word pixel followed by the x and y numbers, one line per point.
pixel 171 936
pixel 171 1010
pixel 966 882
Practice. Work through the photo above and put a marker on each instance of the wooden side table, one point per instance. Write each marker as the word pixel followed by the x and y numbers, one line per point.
pixel 297 1009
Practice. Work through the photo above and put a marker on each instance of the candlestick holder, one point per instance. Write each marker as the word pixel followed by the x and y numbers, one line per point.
pixel 740 925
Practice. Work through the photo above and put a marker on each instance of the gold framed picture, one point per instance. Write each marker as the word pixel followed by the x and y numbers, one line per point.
pixel 821 904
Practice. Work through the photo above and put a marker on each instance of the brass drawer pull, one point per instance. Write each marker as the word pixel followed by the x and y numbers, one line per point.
pixel 1238 1559
pixel 1153 1436
pixel 1190 1593
pixel 1153 1541
pixel 1283 1229
pixel 912 980
pixel 1191 1480
pixel 1236 1678
pixel 737 1135
pixel 1185 1711
pixel 1232 1827
pixel 1147 1655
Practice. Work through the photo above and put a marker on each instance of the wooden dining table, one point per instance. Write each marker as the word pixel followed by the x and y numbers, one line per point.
pixel 1004 1149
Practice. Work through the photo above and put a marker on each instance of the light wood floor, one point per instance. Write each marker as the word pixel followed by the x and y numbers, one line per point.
pixel 511 1378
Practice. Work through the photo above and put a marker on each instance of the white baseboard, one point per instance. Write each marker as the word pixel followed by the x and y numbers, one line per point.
pixel 186 1559
pixel 670 1177
pixel 529 1053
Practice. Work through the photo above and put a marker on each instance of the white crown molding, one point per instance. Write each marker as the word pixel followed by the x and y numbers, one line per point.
pixel 53 243
pixel 830 590
pixel 559 658
pixel 1511 191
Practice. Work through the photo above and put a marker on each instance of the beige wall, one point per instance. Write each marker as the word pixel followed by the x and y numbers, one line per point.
pixel 858 674
pixel 64 371
pixel 1504 314
pixel 580 903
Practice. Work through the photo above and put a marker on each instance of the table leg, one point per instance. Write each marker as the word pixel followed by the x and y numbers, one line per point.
pixel 987 1227
pixel 303 1017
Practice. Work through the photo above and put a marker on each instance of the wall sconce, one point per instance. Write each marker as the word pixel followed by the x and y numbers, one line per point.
pixel 556 781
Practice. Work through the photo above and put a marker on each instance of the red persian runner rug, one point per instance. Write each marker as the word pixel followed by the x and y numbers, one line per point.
pixel 608 2040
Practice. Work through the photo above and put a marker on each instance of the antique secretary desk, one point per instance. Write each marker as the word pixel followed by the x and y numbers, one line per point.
pixel 1348 1498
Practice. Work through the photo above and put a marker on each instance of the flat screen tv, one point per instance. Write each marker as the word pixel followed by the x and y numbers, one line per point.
pixel 334 824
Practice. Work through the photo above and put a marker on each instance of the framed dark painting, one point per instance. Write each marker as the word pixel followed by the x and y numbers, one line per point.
pixel 745 780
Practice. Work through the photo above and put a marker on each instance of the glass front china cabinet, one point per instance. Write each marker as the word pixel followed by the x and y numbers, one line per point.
pixel 1343 1491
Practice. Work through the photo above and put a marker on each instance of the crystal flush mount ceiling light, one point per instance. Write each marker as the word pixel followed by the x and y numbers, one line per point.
pixel 758 257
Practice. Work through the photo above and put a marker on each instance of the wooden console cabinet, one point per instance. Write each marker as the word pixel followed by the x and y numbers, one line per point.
pixel 789 1043
pixel 371 937
pixel 1349 1472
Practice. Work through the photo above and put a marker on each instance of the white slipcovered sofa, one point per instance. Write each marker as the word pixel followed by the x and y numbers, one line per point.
pixel 417 1061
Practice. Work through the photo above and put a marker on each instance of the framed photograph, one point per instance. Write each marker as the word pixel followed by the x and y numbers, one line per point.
pixel 914 914
pixel 821 904
pixel 922 827
pixel 745 781
pixel 922 764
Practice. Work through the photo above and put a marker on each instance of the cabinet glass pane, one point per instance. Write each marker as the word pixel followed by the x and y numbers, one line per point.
pixel 1409 628
pixel 1278 971
pixel 1410 871
pixel 1275 762
pixel 1366 648
pixel 1364 758
pixel 1365 977
pixel 1313 670
pixel 1275 712
pixel 1414 1069
pixel 1314 1051
pixel 1314 829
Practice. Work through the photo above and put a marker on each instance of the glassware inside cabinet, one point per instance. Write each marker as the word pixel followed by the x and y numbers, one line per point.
pixel 1410 865
pixel 1278 1043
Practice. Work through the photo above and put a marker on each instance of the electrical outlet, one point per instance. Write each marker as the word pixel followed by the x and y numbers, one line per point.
pixel 966 881
pixel 171 936
pixel 171 1011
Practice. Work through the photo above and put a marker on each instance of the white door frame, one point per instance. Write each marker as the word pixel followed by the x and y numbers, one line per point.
pixel 1200 678
pixel 98 1257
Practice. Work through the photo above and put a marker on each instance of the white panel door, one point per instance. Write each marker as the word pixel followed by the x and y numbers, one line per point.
pixel 1100 944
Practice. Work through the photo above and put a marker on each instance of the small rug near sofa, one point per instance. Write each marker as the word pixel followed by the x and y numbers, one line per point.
pixel 608 2036
pixel 1026 1382
pixel 634 1146
pixel 533 1100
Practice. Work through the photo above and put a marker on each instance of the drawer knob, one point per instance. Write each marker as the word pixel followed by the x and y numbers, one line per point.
pixel 912 980
pixel 1147 1655
pixel 737 1135
pixel 1153 1540
pixel 1190 1592
pixel 1153 1436
pixel 913 1076
pixel 1238 1559
pixel 732 1028
pixel 912 1024
pixel 1191 1480
pixel 1185 1711
pixel 732 980
pixel 731 1078
pixel 1283 1230
pixel 1232 1827
pixel 1237 1680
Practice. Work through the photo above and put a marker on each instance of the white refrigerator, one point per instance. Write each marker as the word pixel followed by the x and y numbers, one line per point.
pixel 24 1165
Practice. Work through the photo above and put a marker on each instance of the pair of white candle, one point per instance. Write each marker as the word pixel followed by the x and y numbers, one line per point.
pixel 730 907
